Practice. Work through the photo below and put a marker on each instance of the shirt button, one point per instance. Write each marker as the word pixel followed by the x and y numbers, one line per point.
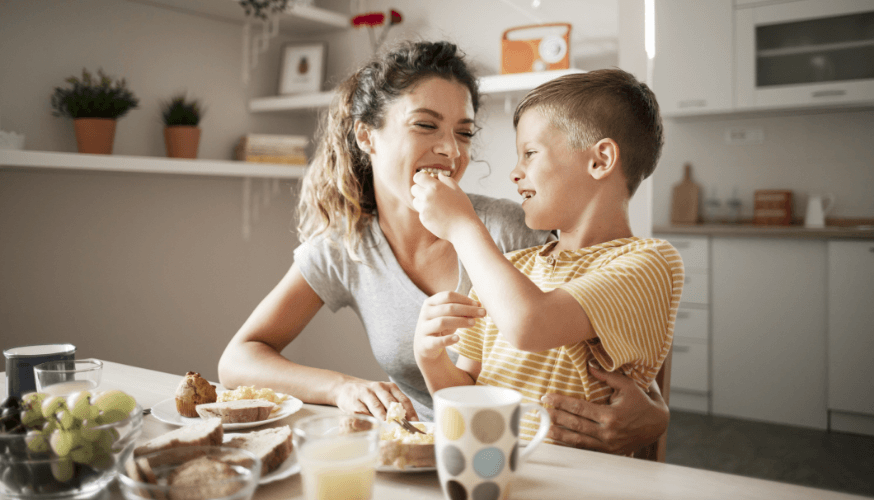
pixel 550 260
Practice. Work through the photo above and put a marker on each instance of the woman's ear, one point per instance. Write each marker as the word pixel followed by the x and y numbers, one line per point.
pixel 363 136
pixel 605 158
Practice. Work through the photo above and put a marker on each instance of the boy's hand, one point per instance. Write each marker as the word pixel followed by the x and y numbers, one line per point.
pixel 440 316
pixel 441 204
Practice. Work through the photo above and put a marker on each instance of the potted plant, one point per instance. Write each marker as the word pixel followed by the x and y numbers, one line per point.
pixel 94 104
pixel 181 133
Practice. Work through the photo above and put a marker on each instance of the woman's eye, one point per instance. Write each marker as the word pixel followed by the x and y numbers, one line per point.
pixel 428 126
pixel 467 133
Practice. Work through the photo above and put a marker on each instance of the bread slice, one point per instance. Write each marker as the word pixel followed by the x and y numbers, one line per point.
pixel 239 411
pixel 273 446
pixel 207 433
pixel 203 478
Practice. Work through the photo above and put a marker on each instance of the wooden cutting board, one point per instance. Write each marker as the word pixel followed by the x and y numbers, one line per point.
pixel 684 202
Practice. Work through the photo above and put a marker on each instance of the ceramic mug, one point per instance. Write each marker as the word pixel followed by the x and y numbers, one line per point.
pixel 476 439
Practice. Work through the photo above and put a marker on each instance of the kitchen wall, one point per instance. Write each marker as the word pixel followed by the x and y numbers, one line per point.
pixel 153 270
pixel 809 153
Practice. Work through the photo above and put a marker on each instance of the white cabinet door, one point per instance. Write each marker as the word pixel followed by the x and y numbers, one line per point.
pixel 769 330
pixel 692 68
pixel 851 326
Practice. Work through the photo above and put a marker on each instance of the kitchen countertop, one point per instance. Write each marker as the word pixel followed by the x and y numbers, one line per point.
pixel 860 232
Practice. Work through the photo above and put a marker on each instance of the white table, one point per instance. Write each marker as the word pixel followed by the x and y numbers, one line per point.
pixel 553 472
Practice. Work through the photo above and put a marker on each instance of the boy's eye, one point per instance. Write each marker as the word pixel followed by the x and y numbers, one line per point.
pixel 529 153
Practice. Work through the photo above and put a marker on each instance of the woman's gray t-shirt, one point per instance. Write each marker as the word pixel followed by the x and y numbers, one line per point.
pixel 384 297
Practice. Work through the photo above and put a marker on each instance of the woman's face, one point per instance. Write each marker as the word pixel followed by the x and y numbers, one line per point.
pixel 431 126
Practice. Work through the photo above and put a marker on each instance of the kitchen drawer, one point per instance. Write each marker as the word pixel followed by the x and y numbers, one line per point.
pixel 689 365
pixel 695 251
pixel 692 323
pixel 696 289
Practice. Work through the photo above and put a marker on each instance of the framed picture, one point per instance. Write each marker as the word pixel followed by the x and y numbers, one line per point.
pixel 302 68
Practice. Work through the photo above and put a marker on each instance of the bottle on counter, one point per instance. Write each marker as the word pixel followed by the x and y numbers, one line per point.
pixel 712 208
pixel 733 206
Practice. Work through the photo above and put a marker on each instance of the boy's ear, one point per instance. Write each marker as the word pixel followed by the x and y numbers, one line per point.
pixel 605 158
pixel 363 136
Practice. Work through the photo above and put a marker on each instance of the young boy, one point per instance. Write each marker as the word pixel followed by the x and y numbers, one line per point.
pixel 598 294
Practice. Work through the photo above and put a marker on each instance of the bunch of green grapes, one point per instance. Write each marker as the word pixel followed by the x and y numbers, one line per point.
pixel 74 428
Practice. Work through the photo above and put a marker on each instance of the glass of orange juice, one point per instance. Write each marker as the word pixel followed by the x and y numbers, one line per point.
pixel 337 456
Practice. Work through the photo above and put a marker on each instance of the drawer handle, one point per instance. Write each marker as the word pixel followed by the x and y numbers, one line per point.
pixel 681 348
pixel 828 93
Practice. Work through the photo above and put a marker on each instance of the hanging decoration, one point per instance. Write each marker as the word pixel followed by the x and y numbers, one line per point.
pixel 267 12
pixel 372 20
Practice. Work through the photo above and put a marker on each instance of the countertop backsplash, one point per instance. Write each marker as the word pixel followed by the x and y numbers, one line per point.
pixel 807 153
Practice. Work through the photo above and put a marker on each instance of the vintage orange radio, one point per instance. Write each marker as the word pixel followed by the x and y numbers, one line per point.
pixel 537 47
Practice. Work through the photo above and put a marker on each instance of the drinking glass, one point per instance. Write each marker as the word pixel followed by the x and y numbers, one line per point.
pixel 337 456
pixel 61 378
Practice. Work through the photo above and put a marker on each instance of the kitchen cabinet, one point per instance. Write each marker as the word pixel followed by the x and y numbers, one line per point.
pixel 851 336
pixel 768 307
pixel 690 363
pixel 804 53
pixel 692 67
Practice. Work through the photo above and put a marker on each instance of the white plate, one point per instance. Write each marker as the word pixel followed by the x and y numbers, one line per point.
pixel 392 468
pixel 165 411
pixel 288 468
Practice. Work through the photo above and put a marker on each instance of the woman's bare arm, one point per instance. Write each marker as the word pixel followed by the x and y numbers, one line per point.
pixel 253 356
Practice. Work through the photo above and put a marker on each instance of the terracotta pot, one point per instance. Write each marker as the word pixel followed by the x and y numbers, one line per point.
pixel 95 135
pixel 182 141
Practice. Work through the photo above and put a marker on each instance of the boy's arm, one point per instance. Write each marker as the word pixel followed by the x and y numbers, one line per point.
pixel 523 313
pixel 440 316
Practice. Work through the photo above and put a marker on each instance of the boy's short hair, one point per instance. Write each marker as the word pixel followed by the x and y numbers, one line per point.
pixel 606 103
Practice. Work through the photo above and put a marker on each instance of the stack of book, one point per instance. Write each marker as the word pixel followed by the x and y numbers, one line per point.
pixel 268 148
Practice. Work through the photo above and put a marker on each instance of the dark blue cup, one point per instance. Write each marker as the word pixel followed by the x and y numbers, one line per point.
pixel 21 360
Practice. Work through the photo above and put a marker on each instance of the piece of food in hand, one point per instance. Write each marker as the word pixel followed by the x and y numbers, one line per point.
pixel 273 446
pixel 237 412
pixel 400 448
pixel 207 433
pixel 193 390
pixel 202 478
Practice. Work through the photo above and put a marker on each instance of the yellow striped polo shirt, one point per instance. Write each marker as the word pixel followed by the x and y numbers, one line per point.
pixel 629 288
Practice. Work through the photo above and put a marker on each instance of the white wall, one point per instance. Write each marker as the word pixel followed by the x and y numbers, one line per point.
pixel 152 270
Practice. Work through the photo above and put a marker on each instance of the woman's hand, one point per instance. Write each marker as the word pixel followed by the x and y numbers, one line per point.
pixel 632 419
pixel 440 316
pixel 372 398
pixel 441 204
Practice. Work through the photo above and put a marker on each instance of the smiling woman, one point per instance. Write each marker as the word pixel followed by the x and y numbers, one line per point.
pixel 364 247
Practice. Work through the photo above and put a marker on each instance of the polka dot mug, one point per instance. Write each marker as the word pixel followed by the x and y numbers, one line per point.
pixel 476 438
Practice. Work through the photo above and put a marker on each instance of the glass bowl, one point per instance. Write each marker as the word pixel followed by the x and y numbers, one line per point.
pixel 43 475
pixel 60 378
pixel 197 472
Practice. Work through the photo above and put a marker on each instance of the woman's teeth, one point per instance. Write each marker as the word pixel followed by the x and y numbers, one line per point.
pixel 434 172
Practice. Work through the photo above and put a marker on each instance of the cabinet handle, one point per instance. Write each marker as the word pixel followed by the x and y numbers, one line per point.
pixel 692 103
pixel 828 93
pixel 681 348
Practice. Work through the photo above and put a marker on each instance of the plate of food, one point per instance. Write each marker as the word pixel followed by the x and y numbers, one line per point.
pixel 242 408
pixel 403 451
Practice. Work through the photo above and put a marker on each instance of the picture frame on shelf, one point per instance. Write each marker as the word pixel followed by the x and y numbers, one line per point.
pixel 303 68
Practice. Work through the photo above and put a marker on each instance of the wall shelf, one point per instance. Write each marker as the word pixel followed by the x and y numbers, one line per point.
pixel 492 85
pixel 297 19
pixel 145 164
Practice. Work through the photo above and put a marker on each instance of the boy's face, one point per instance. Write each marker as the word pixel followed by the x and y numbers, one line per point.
pixel 551 177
